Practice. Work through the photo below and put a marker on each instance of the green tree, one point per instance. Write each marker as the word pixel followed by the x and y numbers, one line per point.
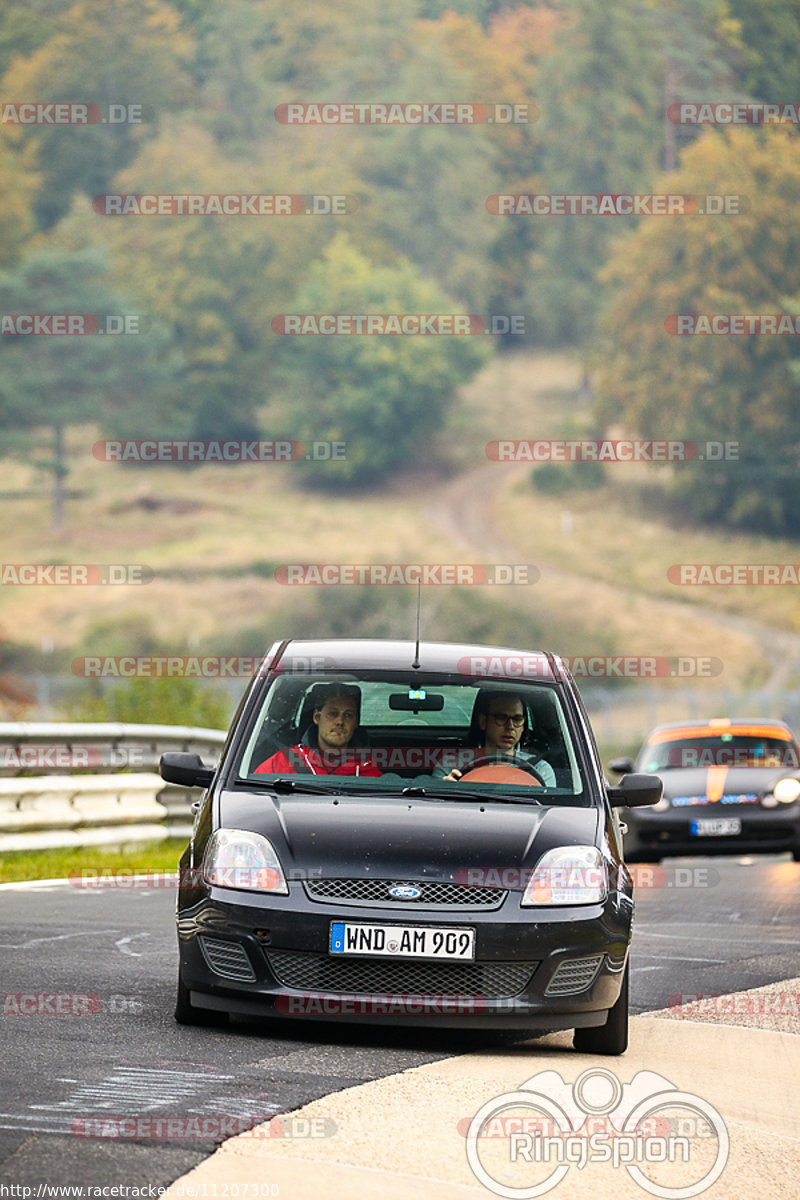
pixel 123 52
pixel 603 94
pixel 156 702
pixel 50 382
pixel 771 37
pixel 384 396
pixel 723 388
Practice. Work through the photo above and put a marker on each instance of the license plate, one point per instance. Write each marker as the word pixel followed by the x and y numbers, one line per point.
pixel 402 941
pixel 719 827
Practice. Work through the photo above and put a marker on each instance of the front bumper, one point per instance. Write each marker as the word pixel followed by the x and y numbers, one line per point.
pixel 533 968
pixel 765 831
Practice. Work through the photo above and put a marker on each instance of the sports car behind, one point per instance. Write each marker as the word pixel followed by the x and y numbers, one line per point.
pixel 729 787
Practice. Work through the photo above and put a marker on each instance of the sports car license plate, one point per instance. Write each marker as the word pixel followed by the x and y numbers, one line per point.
pixel 402 941
pixel 719 827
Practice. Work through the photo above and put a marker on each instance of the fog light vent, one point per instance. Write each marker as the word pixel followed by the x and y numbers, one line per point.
pixel 228 959
pixel 574 975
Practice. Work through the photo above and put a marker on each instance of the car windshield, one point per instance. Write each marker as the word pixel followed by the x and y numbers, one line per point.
pixel 394 730
pixel 728 749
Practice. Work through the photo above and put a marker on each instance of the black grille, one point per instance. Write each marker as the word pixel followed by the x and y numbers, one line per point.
pixel 320 973
pixel 228 959
pixel 374 893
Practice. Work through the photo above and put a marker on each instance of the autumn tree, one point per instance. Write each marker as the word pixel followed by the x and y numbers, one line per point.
pixel 384 396
pixel 719 388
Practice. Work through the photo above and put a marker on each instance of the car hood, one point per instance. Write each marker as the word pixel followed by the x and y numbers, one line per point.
pixel 418 839
pixel 721 784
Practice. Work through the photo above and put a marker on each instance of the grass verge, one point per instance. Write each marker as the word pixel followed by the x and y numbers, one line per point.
pixel 136 858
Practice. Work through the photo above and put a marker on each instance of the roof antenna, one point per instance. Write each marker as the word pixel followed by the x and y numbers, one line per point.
pixel 415 665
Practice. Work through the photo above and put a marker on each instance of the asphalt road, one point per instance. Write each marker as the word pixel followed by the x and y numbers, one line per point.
pixel 70 1078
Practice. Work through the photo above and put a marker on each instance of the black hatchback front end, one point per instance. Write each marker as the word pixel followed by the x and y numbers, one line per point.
pixel 491 900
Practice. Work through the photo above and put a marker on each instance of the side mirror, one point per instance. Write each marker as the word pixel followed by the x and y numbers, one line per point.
pixel 622 766
pixel 636 791
pixel 185 769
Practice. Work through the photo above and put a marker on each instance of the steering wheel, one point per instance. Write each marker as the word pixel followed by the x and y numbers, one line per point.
pixel 500 761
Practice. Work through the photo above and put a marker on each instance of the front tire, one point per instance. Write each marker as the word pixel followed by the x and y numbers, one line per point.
pixel 187 1014
pixel 612 1037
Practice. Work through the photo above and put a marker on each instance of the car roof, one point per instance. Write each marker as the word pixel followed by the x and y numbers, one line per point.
pixel 493 662
pixel 743 727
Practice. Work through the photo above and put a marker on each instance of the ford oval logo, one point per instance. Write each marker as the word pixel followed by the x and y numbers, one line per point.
pixel 405 891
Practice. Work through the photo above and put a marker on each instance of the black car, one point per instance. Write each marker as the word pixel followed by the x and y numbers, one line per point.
pixel 730 787
pixel 402 875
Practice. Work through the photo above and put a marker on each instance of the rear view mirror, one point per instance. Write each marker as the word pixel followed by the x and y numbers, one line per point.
pixel 622 766
pixel 415 701
pixel 636 791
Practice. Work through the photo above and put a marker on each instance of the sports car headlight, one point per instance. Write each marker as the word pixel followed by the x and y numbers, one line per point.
pixel 786 790
pixel 568 875
pixel 236 858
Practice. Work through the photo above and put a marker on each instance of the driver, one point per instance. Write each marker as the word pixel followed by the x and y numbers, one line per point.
pixel 501 719
pixel 326 748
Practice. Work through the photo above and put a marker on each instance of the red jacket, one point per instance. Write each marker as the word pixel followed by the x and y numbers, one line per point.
pixel 335 762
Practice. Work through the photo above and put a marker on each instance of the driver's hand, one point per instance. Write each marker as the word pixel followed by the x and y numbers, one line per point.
pixel 454 775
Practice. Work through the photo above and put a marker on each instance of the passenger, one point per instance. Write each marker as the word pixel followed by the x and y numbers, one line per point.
pixel 326 747
pixel 501 723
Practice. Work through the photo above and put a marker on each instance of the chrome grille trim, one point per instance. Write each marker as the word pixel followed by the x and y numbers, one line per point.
pixel 374 893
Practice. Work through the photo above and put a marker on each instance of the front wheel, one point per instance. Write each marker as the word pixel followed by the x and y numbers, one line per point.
pixel 612 1037
pixel 187 1014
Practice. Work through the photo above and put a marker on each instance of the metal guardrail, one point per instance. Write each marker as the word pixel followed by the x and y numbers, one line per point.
pixel 68 747
pixel 66 783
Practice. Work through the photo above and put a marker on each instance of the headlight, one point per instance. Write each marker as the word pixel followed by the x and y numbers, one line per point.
pixel 236 858
pixel 568 875
pixel 786 790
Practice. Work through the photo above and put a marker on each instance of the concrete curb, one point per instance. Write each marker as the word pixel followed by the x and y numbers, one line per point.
pixel 405 1135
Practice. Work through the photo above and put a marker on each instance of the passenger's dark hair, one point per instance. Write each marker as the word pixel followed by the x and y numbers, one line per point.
pixel 476 735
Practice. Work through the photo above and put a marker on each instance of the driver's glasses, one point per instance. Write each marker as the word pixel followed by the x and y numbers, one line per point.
pixel 507 719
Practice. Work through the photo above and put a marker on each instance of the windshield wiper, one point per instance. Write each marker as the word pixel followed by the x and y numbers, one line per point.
pixel 459 793
pixel 289 785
